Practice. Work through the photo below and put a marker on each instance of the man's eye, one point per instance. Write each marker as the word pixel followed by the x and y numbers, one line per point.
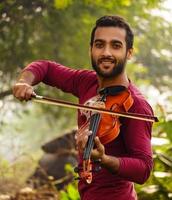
pixel 99 45
pixel 116 46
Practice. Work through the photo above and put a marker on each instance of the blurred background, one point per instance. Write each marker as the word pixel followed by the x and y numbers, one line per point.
pixel 59 30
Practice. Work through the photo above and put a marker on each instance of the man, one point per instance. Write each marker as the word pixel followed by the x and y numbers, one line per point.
pixel 128 158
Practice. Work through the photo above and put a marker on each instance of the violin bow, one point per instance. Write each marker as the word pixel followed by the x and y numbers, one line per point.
pixel 57 102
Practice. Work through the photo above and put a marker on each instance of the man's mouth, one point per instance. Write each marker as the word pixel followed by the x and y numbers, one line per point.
pixel 106 61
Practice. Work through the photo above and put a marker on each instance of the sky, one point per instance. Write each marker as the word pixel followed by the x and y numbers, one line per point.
pixel 167 12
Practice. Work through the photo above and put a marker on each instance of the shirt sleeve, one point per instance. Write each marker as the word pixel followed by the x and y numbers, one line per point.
pixel 57 75
pixel 137 165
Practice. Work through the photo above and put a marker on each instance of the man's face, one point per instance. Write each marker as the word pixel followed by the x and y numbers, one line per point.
pixel 108 53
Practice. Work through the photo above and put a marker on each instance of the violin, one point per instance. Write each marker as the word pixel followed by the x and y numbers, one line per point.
pixel 112 102
pixel 106 127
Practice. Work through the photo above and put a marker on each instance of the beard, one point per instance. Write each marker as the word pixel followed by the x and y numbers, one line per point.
pixel 118 68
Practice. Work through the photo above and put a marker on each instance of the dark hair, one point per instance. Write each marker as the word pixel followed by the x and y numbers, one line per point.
pixel 114 21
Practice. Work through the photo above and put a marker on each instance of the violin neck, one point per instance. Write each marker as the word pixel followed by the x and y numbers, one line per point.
pixel 94 125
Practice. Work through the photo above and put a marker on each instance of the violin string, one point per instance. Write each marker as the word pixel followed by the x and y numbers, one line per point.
pixel 88 148
pixel 95 123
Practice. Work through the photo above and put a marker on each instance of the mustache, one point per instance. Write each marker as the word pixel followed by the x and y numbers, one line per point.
pixel 107 59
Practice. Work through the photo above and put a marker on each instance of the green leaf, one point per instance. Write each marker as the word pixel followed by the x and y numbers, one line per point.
pixel 62 4
pixel 72 192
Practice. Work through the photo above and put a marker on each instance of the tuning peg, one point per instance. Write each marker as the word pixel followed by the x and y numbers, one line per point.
pixel 76 169
pixel 77 178
pixel 96 169
pixel 98 161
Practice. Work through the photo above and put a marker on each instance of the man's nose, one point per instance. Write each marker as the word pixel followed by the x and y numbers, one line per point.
pixel 107 51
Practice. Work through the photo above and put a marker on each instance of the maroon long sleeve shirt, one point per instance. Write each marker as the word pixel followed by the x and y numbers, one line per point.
pixel 132 146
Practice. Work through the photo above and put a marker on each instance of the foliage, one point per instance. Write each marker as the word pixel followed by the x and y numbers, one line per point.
pixel 37 30
pixel 71 193
pixel 32 30
pixel 159 185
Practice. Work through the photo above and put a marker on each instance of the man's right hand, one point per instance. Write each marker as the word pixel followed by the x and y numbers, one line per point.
pixel 23 91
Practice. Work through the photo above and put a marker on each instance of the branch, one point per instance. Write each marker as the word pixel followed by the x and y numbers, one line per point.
pixel 5 93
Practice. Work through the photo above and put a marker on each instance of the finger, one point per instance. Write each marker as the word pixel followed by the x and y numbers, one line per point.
pixel 28 93
pixel 83 136
pixel 98 144
pixel 97 141
pixel 78 133
pixel 81 143
pixel 33 94
pixel 94 153
pixel 20 93
pixel 23 93
pixel 82 133
pixel 76 136
pixel 90 133
pixel 16 90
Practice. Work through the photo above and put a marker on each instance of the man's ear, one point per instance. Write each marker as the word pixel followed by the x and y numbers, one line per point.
pixel 130 53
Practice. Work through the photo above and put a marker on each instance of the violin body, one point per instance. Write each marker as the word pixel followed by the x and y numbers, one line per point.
pixel 109 126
